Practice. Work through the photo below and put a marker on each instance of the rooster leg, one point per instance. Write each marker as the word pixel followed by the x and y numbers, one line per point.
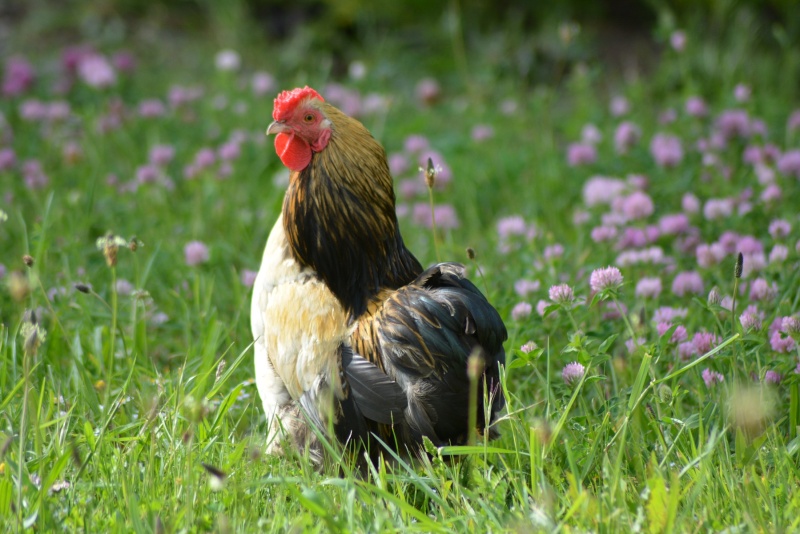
pixel 274 396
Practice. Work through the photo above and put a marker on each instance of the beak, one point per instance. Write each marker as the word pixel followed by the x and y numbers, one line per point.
pixel 277 127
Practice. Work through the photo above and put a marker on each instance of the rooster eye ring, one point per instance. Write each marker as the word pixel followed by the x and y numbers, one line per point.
pixel 309 118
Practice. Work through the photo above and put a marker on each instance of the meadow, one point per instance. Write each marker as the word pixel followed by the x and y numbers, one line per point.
pixel 639 234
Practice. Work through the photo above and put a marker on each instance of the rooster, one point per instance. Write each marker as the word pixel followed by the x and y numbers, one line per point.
pixel 351 333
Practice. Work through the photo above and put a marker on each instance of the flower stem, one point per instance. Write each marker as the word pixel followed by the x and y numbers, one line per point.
pixel 113 340
pixel 433 225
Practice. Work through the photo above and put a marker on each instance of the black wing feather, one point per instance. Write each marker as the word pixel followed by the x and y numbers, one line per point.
pixel 377 396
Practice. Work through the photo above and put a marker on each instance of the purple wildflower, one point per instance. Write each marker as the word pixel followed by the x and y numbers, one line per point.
pixel 581 154
pixel 18 76
pixel 674 223
pixel 151 108
pixel 97 72
pixel 524 287
pixel 600 234
pixel 777 340
pixel 415 143
pixel 591 134
pixel 619 106
pixel 626 136
pixel 704 342
pixel 772 193
pixel 411 188
pixel 572 372
pixel 748 244
pixel 709 255
pixel 687 282
pixel 33 110
pixel 34 176
pixel 667 116
pixel 147 174
pixel 696 107
pixel 637 205
pixel 482 132
pixel 528 347
pixel 712 377
pixel 790 324
pixel 741 92
pixel 7 159
pixel 124 287
pixel 262 83
pixel 779 228
pixel 445 214
pixel 666 150
pixel 195 253
pixel 521 311
pixel 552 252
pixel 229 151
pixel 690 203
pixel 773 377
pixel 124 61
pixel 398 163
pixel 633 238
pixel 750 319
pixel 778 254
pixel 427 91
pixel 631 343
pixel 541 306
pixel 561 294
pixel 789 163
pixel 677 40
pixel 511 225
pixel 248 277
pixel 605 278
pixel 648 287
pixel 678 335
pixel 718 208
pixel 793 122
pixel 686 350
pixel 160 155
pixel 227 60
pixel 733 123
pixel 602 190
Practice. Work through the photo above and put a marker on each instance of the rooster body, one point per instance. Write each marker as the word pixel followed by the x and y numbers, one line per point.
pixel 350 332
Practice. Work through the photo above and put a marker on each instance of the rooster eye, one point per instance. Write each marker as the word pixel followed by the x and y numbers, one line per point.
pixel 309 118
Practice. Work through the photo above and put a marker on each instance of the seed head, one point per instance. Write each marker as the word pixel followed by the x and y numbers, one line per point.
pixel 737 272
pixel 713 296
pixel 470 253
pixel 220 370
pixel 430 173
pixel 110 246
pixel 32 333
pixel 27 259
pixel 134 244
pixel 83 288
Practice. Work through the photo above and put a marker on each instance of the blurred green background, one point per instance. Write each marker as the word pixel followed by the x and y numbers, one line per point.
pixel 533 42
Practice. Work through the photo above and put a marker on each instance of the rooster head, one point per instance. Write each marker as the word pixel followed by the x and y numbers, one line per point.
pixel 301 126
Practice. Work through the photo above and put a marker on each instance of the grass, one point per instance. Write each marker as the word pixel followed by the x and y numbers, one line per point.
pixel 128 405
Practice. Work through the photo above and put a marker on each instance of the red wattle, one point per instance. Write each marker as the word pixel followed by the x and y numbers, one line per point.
pixel 293 151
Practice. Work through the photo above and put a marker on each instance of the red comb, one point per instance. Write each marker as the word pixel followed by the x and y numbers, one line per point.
pixel 287 101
